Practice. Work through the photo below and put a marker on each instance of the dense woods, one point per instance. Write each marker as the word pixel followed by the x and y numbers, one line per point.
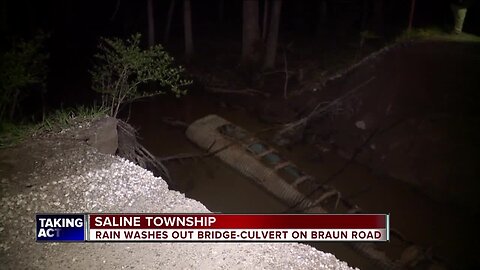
pixel 251 36
pixel 340 88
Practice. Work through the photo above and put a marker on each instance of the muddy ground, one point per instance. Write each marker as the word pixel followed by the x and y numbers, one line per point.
pixel 63 173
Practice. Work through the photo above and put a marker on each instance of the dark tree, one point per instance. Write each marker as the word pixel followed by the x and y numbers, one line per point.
pixel 410 17
pixel 3 16
pixel 187 24
pixel 322 15
pixel 377 16
pixel 265 20
pixel 250 32
pixel 271 48
pixel 168 25
pixel 221 10
pixel 151 23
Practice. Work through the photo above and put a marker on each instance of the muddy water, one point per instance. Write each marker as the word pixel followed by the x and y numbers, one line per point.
pixel 444 229
pixel 222 189
pixel 209 180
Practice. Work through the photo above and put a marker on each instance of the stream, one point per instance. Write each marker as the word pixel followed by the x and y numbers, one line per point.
pixel 444 228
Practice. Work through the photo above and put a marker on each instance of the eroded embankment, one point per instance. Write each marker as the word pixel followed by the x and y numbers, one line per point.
pixel 60 173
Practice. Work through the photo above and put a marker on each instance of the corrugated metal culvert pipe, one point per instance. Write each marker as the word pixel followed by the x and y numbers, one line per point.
pixel 283 179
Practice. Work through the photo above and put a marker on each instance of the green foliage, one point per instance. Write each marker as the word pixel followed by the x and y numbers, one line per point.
pixel 122 69
pixel 420 34
pixel 435 34
pixel 11 134
pixel 66 118
pixel 22 68
pixel 369 35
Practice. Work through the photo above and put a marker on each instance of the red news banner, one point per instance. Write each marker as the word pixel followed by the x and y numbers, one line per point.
pixel 237 228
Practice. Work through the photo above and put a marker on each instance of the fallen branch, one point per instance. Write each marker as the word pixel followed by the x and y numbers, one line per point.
pixel 182 156
pixel 321 108
pixel 327 77
pixel 277 71
pixel 246 91
pixel 367 58
pixel 129 148
pixel 174 123
pixel 285 86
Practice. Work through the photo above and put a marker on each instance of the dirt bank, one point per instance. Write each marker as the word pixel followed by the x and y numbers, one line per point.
pixel 61 174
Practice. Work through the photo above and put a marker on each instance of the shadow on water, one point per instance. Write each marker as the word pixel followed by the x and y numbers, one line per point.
pixel 424 221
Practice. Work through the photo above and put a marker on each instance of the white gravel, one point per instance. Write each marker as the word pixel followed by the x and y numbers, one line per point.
pixel 79 179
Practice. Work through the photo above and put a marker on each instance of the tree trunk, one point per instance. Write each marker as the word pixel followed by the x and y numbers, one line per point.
pixel 14 104
pixel 412 12
pixel 365 15
pixel 265 21
pixel 115 11
pixel 125 13
pixel 30 7
pixel 44 105
pixel 250 32
pixel 377 16
pixel 166 34
pixel 323 11
pixel 273 35
pixel 3 17
pixel 221 10
pixel 322 16
pixel 151 23
pixel 187 23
